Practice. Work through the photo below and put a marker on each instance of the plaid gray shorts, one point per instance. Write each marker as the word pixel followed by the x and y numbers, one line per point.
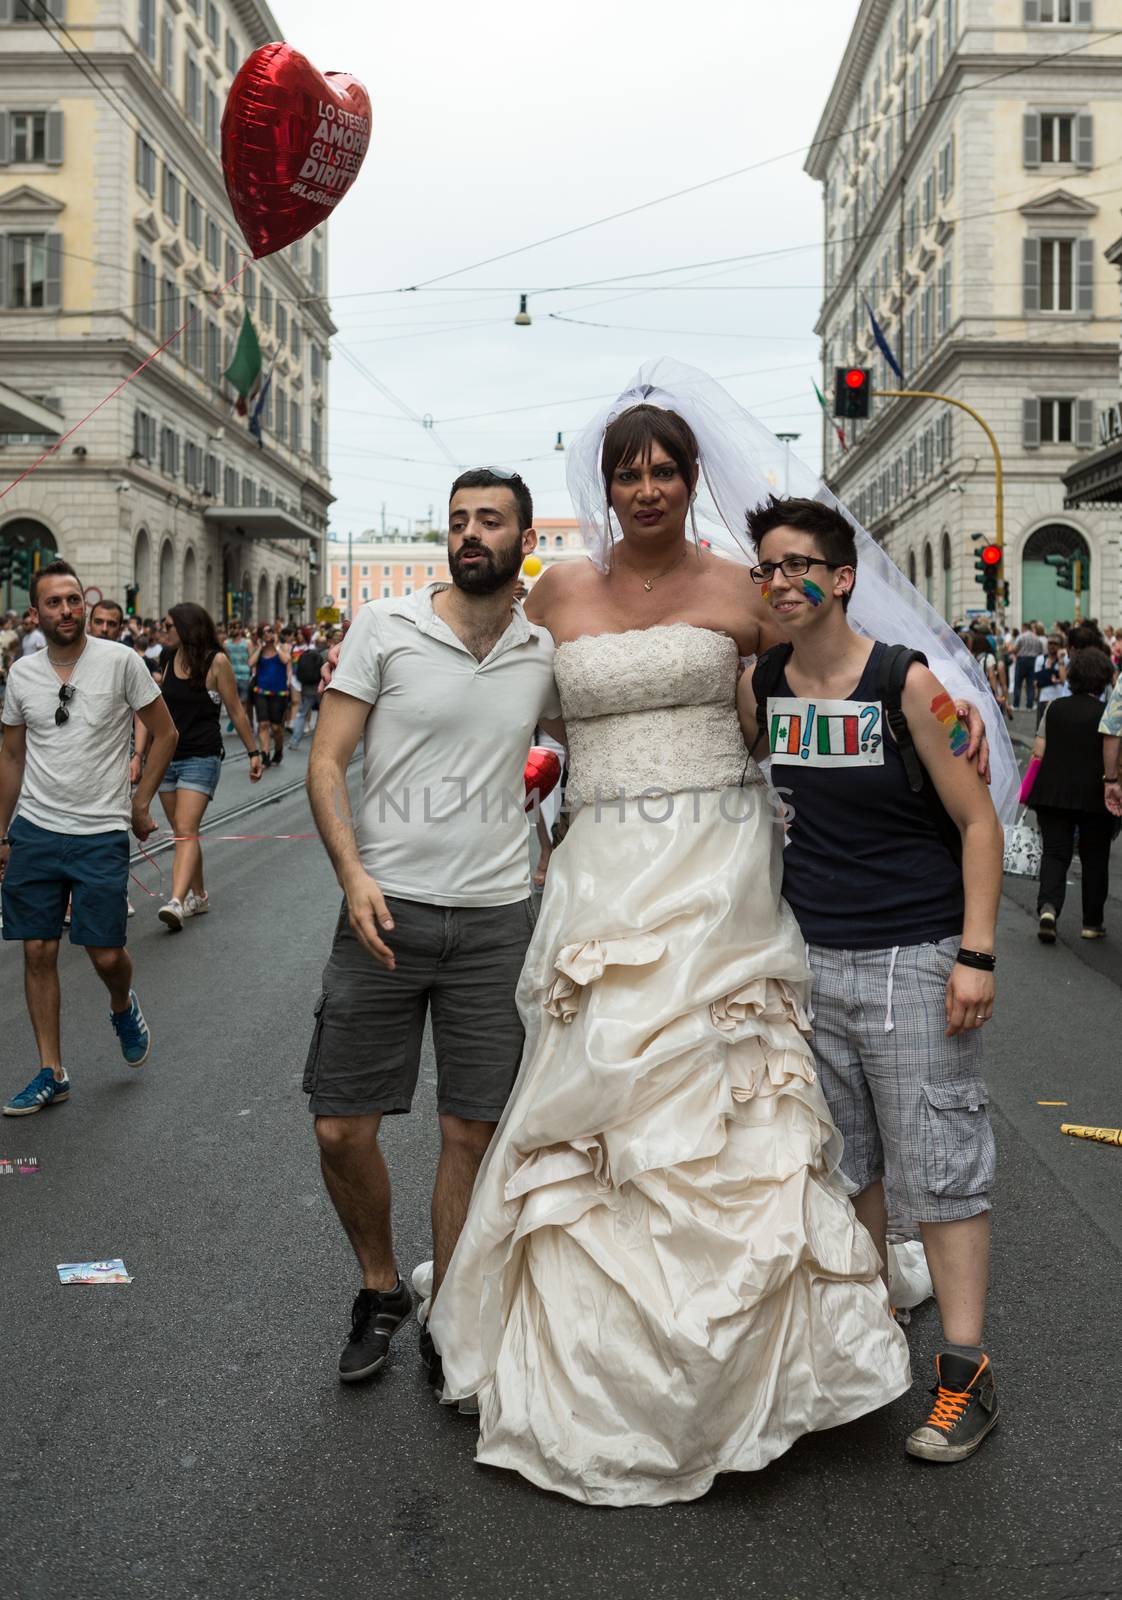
pixel 902 1094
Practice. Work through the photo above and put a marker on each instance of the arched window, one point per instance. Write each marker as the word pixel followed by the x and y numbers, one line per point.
pixel 1042 599
pixel 168 596
pixel 279 595
pixel 263 595
pixel 911 566
pixel 142 572
pixel 25 533
pixel 246 598
pixel 928 574
pixel 190 575
pixel 948 580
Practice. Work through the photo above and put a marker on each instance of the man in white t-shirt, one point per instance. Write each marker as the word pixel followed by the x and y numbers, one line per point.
pixel 445 688
pixel 67 719
pixel 34 638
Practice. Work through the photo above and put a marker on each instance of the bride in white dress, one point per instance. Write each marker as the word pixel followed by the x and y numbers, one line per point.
pixel 661 1277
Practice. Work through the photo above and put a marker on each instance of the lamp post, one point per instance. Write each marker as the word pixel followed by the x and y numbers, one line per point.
pixel 788 441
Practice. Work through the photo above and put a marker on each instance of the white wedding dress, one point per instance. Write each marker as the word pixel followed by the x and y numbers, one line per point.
pixel 661 1277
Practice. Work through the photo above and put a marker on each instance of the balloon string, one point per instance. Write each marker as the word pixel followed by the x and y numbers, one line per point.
pixel 58 444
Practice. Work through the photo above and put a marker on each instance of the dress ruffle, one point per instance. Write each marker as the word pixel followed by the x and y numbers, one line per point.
pixel 661 1277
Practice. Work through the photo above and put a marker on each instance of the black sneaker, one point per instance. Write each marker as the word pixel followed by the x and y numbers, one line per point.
pixel 964 1412
pixel 430 1360
pixel 278 757
pixel 375 1317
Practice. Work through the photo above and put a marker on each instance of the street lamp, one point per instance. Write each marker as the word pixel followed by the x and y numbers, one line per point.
pixel 560 445
pixel 788 441
pixel 523 318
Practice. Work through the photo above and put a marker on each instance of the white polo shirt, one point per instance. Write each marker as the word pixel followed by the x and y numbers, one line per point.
pixel 442 816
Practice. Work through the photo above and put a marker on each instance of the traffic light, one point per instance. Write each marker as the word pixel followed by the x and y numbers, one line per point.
pixel 6 554
pixel 21 568
pixel 132 597
pixel 987 569
pixel 1064 567
pixel 853 389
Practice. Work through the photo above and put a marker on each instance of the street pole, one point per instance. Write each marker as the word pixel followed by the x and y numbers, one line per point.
pixel 350 579
pixel 998 476
pixel 788 441
pixel 1077 585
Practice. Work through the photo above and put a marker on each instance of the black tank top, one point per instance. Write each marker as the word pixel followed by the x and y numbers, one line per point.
pixel 864 867
pixel 195 710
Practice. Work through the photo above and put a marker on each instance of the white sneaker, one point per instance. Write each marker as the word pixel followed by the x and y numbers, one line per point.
pixel 196 905
pixel 132 908
pixel 172 915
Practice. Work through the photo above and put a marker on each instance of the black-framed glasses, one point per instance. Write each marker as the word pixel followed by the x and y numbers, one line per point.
pixel 791 567
pixel 65 695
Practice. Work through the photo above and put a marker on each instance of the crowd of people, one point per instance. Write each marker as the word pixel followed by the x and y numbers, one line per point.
pixel 685 1103
pixel 1030 663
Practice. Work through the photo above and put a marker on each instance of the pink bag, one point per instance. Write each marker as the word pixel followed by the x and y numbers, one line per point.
pixel 1028 780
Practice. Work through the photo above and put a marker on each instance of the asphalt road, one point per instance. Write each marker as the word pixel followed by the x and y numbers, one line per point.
pixel 186 1435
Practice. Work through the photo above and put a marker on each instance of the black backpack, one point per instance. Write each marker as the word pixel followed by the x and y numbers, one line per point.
pixel 767 675
pixel 309 665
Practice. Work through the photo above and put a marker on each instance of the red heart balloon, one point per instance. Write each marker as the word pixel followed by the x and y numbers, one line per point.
pixel 293 140
pixel 541 775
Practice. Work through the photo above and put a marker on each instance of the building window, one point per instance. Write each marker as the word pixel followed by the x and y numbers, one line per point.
pixel 282 323
pixel 317 268
pixel 296 441
pixel 249 289
pixel 317 364
pixel 145 293
pixel 1055 421
pixel 169 452
pixel 249 492
pixel 193 221
pixel 230 486
pixel 213 244
pixel 231 261
pixel 294 339
pixel 946 168
pixel 1053 12
pixel 429 571
pixel 213 31
pixel 265 307
pixel 144 436
pixel 231 53
pixel 342 591
pixel 170 195
pixel 386 591
pixel 194 336
pixel 167 50
pixel 1056 275
pixel 282 414
pixel 210 476
pixel 34 264
pixel 213 128
pixel 192 90
pixel 169 311
pixel 317 440
pixel 27 137
pixel 146 166
pixel 146 28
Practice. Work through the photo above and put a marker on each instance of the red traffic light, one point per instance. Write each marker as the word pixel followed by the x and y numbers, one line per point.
pixel 991 555
pixel 855 378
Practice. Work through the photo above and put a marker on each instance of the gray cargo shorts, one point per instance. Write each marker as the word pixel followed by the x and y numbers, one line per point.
pixel 462 963
pixel 901 1092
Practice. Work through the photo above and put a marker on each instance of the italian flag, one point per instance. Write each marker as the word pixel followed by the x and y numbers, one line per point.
pixel 244 371
pixel 822 402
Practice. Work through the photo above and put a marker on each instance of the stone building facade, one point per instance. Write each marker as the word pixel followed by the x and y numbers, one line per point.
pixel 966 156
pixel 114 230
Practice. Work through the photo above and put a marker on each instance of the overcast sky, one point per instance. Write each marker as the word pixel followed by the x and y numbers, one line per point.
pixel 498 124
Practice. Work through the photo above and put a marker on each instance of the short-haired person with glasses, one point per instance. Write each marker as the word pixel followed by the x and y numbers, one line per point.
pixel 64 763
pixel 893 869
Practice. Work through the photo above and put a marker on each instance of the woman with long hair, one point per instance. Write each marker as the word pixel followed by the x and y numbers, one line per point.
pixel 197 680
pixel 661 1277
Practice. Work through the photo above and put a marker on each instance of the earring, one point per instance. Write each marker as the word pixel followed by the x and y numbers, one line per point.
pixel 693 524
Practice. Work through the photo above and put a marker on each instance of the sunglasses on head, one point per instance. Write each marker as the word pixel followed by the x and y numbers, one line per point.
pixel 65 695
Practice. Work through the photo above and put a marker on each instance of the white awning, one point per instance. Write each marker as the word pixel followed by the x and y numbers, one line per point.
pixel 259 522
pixel 20 414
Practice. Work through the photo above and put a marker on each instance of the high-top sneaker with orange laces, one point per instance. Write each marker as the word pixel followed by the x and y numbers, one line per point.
pixel 964 1412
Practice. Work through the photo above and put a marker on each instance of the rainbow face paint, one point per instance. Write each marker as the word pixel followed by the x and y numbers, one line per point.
pixel 813 592
pixel 766 592
pixel 942 708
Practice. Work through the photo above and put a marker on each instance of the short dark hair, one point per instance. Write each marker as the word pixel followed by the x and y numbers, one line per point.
pixel 1089 671
pixel 109 605
pixel 814 517
pixel 492 478
pixel 1084 636
pixel 54 569
pixel 630 435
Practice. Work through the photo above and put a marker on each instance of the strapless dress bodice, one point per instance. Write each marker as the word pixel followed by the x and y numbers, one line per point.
pixel 651 709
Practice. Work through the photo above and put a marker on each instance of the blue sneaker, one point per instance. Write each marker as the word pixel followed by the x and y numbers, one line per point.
pixel 43 1090
pixel 132 1030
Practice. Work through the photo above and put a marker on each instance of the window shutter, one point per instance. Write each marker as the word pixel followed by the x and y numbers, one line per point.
pixel 5 139
pixel 1083 13
pixel 1084 423
pixel 52 288
pixel 54 138
pixel 1084 142
pixel 1032 12
pixel 1032 139
pixel 1031 275
pixel 137 433
pixel 1085 259
pixel 1030 425
pixel 57 9
pixel 3 271
pixel 950 163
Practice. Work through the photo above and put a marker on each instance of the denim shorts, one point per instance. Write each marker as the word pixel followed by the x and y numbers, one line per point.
pixel 460 962
pixel 200 773
pixel 45 870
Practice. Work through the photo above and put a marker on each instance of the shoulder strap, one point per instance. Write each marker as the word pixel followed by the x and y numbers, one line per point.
pixel 891 674
pixel 767 675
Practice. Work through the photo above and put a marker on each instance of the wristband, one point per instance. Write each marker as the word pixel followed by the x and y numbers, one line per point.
pixel 981 960
pixel 1108 779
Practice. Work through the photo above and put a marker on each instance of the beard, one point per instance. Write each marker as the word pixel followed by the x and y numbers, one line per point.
pixel 54 635
pixel 491 572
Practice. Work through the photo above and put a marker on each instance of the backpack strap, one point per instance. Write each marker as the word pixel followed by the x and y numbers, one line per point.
pixel 767 675
pixel 893 671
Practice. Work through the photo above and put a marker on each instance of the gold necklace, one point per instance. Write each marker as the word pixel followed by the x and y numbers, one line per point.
pixel 649 583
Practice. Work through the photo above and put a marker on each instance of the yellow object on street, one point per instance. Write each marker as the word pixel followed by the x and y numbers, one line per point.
pixel 531 566
pixel 327 614
pixel 1099 1135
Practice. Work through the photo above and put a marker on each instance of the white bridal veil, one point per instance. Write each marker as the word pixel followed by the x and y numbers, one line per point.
pixel 742 462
